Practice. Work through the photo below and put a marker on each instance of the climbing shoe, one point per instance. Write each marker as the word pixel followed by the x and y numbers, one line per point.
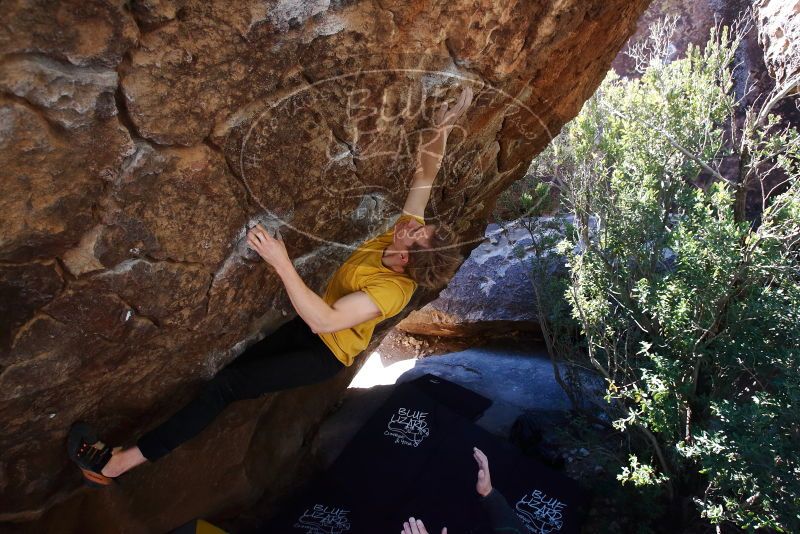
pixel 89 453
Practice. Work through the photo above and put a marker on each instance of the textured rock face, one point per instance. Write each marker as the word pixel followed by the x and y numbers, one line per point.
pixel 779 34
pixel 138 140
pixel 695 19
pixel 491 294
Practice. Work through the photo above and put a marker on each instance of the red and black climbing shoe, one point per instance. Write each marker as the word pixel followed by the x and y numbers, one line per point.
pixel 89 453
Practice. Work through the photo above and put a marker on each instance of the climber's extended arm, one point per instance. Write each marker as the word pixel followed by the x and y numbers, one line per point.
pixel 429 160
pixel 348 311
pixel 431 152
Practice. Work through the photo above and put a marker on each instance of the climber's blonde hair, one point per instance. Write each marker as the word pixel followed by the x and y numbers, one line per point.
pixel 432 267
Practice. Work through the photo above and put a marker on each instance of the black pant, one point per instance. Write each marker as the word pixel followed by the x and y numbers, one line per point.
pixel 291 356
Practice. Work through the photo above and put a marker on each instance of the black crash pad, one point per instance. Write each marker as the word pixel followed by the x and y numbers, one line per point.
pixel 414 458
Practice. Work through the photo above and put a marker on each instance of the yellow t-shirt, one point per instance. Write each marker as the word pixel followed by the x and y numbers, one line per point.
pixel 363 271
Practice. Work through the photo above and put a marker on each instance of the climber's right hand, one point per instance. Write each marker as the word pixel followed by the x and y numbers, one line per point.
pixel 445 119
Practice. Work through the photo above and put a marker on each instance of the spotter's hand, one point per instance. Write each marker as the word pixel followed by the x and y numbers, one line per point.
pixel 415 526
pixel 271 249
pixel 484 484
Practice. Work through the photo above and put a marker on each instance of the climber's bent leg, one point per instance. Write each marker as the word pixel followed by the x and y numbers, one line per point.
pixel 290 357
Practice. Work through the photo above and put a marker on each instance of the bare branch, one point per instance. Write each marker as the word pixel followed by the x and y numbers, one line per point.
pixel 654 48
pixel 778 94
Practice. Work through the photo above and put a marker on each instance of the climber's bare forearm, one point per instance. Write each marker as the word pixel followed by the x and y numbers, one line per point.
pixel 434 140
pixel 430 157
pixel 429 161
pixel 309 306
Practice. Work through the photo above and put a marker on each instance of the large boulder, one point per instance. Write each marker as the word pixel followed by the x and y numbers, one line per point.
pixel 138 141
pixel 491 295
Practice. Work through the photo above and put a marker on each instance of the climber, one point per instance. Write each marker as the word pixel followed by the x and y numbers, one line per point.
pixel 374 283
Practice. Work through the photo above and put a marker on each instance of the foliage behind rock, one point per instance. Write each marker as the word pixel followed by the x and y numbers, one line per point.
pixel 689 311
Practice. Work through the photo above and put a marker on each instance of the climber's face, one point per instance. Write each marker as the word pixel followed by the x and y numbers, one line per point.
pixel 411 231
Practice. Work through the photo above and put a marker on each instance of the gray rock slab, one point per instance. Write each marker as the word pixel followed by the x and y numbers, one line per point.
pixel 516 380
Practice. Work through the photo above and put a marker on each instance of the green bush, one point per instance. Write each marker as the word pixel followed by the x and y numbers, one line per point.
pixel 689 312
